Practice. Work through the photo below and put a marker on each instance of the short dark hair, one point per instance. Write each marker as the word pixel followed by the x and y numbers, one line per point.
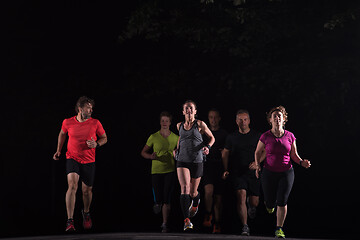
pixel 82 101
pixel 241 111
pixel 166 114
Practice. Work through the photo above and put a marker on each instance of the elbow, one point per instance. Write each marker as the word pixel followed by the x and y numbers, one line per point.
pixel 143 154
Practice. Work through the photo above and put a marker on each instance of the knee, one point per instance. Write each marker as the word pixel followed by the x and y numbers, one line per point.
pixel 209 192
pixel 86 191
pixel 72 186
pixel 254 201
pixel 282 201
pixel 218 201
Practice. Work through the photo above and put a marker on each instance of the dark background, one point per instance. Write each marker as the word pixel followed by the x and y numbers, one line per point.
pixel 138 58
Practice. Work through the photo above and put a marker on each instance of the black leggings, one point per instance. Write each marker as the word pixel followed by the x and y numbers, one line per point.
pixel 163 185
pixel 277 187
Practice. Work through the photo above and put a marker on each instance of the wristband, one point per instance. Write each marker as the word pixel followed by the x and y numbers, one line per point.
pixel 208 146
pixel 97 145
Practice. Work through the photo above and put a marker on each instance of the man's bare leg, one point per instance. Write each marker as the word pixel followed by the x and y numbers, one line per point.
pixel 70 198
pixel 87 197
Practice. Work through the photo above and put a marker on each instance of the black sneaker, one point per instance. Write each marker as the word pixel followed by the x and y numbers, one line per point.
pixel 165 228
pixel 157 208
pixel 245 230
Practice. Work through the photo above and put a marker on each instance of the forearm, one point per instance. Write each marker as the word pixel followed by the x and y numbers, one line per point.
pixel 225 161
pixel 61 141
pixel 146 155
pixel 263 156
pixel 259 157
pixel 212 141
pixel 101 141
pixel 296 158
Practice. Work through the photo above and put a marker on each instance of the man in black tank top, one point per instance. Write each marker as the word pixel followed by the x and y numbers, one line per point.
pixel 190 160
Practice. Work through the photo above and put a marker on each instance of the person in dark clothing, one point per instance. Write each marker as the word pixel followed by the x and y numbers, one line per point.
pixel 213 170
pixel 238 157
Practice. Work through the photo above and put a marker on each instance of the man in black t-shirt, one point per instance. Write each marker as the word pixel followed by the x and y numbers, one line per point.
pixel 238 156
pixel 213 170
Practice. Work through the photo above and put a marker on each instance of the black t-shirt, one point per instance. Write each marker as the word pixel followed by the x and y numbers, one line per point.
pixel 242 149
pixel 215 151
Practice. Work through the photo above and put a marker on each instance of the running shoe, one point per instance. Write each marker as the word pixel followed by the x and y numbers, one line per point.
pixel 217 228
pixel 193 210
pixel 157 208
pixel 187 224
pixel 70 225
pixel 270 210
pixel 165 228
pixel 279 233
pixel 207 220
pixel 245 230
pixel 87 223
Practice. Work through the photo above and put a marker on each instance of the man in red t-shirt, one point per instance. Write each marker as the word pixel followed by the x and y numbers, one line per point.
pixel 85 134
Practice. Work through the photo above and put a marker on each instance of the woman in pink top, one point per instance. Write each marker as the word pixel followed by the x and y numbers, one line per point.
pixel 278 174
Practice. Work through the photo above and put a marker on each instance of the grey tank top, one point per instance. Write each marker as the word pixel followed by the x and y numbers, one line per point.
pixel 190 144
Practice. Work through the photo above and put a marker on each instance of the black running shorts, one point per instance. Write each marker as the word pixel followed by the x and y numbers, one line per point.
pixel 247 182
pixel 196 169
pixel 85 171
pixel 213 172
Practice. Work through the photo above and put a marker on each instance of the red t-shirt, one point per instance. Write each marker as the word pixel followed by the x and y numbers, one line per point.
pixel 79 133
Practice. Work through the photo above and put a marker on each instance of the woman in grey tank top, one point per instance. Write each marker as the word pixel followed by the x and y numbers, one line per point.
pixel 189 156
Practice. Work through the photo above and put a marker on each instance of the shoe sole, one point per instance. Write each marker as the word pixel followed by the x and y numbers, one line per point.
pixel 189 227
pixel 191 206
pixel 70 230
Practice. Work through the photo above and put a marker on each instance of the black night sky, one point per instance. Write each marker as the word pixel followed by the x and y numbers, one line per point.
pixel 138 58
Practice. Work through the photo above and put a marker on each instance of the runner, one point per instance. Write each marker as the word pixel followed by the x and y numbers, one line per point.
pixel 213 170
pixel 85 134
pixel 189 156
pixel 163 142
pixel 238 158
pixel 277 177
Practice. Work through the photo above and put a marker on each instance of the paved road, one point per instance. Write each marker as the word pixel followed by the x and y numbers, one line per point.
pixel 148 236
